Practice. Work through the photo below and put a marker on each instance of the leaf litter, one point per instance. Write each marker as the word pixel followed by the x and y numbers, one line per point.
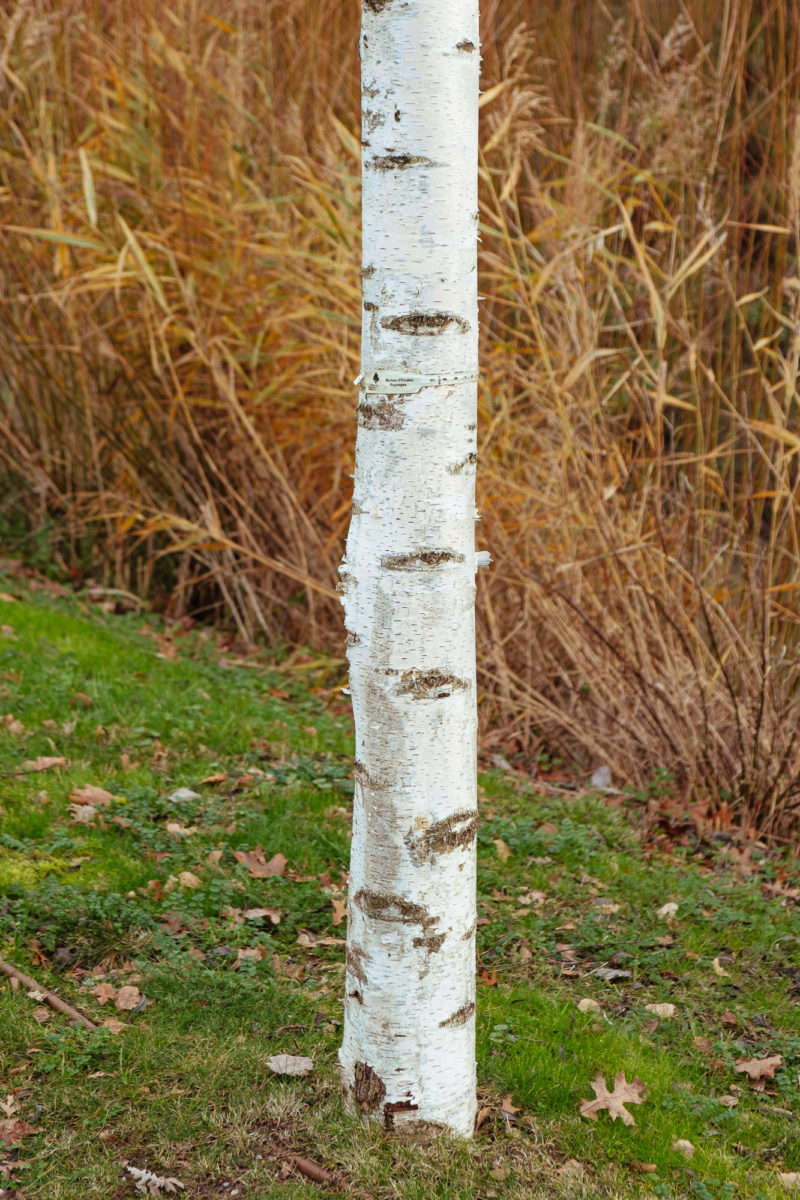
pixel 614 1102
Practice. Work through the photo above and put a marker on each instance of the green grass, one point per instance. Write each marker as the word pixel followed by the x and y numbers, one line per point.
pixel 183 1089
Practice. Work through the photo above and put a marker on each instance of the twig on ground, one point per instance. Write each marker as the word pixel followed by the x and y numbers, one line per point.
pixel 50 997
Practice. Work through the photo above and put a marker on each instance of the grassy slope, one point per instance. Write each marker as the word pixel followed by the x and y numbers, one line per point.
pixel 184 1089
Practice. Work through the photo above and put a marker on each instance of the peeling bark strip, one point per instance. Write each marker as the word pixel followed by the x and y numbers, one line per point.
pixel 459 1017
pixel 430 685
pixel 455 831
pixel 368 1089
pixel 420 560
pixel 424 324
pixel 398 1106
pixel 392 908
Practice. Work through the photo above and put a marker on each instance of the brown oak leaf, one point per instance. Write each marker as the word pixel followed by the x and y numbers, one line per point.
pixel 91 795
pixel 759 1068
pixel 258 866
pixel 614 1102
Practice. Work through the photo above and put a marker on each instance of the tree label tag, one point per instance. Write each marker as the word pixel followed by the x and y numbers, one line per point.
pixel 405 383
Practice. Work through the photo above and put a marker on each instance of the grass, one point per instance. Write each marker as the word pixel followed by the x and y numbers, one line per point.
pixel 179 197
pixel 569 883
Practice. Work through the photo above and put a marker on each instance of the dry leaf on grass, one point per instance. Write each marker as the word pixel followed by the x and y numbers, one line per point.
pixel 290 1064
pixel 83 814
pixel 13 726
pixel 13 1130
pixel 148 1181
pixel 508 1106
pixel 503 852
pixel 759 1068
pixel 339 911
pixel 719 969
pixel 665 1011
pixel 668 911
pixel 42 1014
pixel 91 795
pixel 587 1005
pixel 258 866
pixel 127 998
pixel 113 1025
pixel 44 763
pixel 790 1179
pixel 256 914
pixel 187 879
pixel 104 992
pixel 683 1147
pixel 613 1102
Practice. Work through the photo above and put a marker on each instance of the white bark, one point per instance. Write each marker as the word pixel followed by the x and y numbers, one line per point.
pixel 409 574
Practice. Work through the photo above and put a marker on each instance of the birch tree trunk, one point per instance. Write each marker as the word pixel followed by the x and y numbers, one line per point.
pixel 408 578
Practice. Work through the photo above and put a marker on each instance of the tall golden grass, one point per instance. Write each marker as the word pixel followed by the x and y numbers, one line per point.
pixel 179 329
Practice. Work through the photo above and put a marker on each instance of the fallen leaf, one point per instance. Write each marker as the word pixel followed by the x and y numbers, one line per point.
pixel 719 969
pixel 127 998
pixel 729 1018
pixel 503 852
pixel 254 954
pixel 83 814
pixel 43 763
pixel 703 1044
pixel 148 1181
pixel 290 1064
pixel 113 1025
pixel 614 1102
pixel 339 911
pixel 104 992
pixel 489 978
pixel 665 1011
pixel 214 779
pixel 42 1014
pixel 82 700
pixel 759 1068
pixel 668 911
pixel 790 1179
pixel 587 1005
pixel 508 1106
pixel 483 1114
pixel 257 914
pixel 610 974
pixel 13 726
pixel 729 1101
pixel 257 865
pixel 213 857
pixel 10 1105
pixel 91 795
pixel 177 830
pixel 7 599
pixel 13 1130
pixel 35 994
pixel 683 1147
pixel 645 1168
pixel 187 879
pixel 183 793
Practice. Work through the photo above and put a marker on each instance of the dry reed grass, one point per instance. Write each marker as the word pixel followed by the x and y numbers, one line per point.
pixel 179 325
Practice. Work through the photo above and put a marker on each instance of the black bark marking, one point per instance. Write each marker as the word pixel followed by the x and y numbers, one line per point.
pixel 370 306
pixel 468 461
pixel 454 831
pixel 420 560
pixel 371 119
pixel 398 162
pixel 367 272
pixel 432 942
pixel 355 995
pixel 353 955
pixel 382 415
pixel 424 324
pixel 459 1017
pixel 466 47
pixel 368 1089
pixel 397 1106
pixel 430 685
pixel 397 114
pixel 385 907
pixel 352 638
pixel 377 6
